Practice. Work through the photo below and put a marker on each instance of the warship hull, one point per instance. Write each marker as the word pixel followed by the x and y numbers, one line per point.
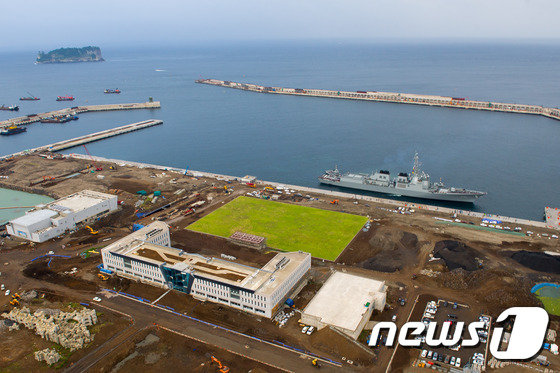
pixel 405 192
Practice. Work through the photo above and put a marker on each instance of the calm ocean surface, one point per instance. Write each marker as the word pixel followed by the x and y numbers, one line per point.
pixel 515 158
pixel 13 198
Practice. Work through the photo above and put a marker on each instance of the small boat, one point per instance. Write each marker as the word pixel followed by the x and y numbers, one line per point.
pixel 59 119
pixel 29 98
pixel 113 91
pixel 65 98
pixel 10 108
pixel 12 130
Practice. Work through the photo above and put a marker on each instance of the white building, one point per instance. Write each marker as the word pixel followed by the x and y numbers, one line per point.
pixel 345 302
pixel 48 221
pixel 146 256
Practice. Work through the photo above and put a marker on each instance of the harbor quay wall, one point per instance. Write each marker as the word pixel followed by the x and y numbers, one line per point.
pixel 28 119
pixel 394 97
pixel 299 188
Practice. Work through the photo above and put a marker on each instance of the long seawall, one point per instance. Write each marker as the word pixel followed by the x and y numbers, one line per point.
pixel 393 97
pixel 386 201
pixel 33 118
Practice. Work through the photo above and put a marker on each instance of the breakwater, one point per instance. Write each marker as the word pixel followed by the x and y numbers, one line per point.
pixel 394 97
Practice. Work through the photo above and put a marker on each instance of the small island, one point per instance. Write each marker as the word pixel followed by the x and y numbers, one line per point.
pixel 64 55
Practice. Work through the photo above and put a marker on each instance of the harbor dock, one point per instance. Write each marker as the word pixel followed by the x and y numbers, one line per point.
pixel 66 144
pixel 96 136
pixel 393 97
pixel 33 118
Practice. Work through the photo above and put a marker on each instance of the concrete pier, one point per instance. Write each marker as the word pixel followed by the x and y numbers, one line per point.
pixel 400 98
pixel 32 118
pixel 66 144
pixel 77 141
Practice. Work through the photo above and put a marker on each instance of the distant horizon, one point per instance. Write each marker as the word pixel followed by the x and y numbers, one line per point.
pixel 295 42
pixel 53 24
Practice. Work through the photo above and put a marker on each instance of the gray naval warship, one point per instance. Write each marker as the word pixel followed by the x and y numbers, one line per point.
pixel 416 185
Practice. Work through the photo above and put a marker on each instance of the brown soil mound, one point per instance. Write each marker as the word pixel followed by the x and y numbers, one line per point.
pixel 457 255
pixel 538 261
pixel 496 289
pixel 394 255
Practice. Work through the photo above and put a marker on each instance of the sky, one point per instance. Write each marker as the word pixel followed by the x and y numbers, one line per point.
pixel 49 24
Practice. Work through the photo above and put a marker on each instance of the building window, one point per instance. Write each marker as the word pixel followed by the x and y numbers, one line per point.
pixel 234 293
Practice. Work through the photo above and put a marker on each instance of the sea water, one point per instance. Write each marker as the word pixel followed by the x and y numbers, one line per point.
pixel 515 158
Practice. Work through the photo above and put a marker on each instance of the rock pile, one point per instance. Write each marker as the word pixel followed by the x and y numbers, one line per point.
pixel 68 329
pixel 47 355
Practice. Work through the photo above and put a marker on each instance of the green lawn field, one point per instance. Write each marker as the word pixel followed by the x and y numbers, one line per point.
pixel 551 305
pixel 287 227
pixel 550 297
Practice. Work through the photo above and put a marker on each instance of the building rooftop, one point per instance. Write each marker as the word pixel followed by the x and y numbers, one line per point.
pixel 343 300
pixel 34 217
pixel 78 201
pixel 263 280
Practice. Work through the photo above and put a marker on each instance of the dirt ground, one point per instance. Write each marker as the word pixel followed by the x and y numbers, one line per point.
pixel 158 350
pixel 412 253
pixel 21 359
pixel 324 342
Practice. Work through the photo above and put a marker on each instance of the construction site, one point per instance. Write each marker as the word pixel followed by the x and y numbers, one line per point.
pixel 404 254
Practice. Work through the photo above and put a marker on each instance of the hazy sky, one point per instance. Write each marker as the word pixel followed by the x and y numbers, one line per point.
pixel 47 24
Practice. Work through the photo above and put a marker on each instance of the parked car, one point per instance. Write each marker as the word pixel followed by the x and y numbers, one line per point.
pixel 304 330
pixel 452 361
pixel 424 353
pixel 430 353
pixel 310 330
pixel 394 318
pixel 7 292
pixel 435 356
pixel 97 299
pixel 458 362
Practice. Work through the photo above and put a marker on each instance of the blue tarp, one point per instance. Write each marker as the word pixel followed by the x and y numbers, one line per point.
pixel 136 227
pixel 542 285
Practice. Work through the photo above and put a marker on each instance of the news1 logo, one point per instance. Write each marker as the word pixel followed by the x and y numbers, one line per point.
pixel 526 339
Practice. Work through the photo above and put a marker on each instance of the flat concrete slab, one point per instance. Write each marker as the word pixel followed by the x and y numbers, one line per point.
pixel 344 301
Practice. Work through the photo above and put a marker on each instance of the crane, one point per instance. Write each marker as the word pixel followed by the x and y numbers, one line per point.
pixel 97 168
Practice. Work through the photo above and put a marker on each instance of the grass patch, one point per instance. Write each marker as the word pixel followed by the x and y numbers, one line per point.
pixel 550 298
pixel 480 228
pixel 64 353
pixel 287 227
pixel 551 305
